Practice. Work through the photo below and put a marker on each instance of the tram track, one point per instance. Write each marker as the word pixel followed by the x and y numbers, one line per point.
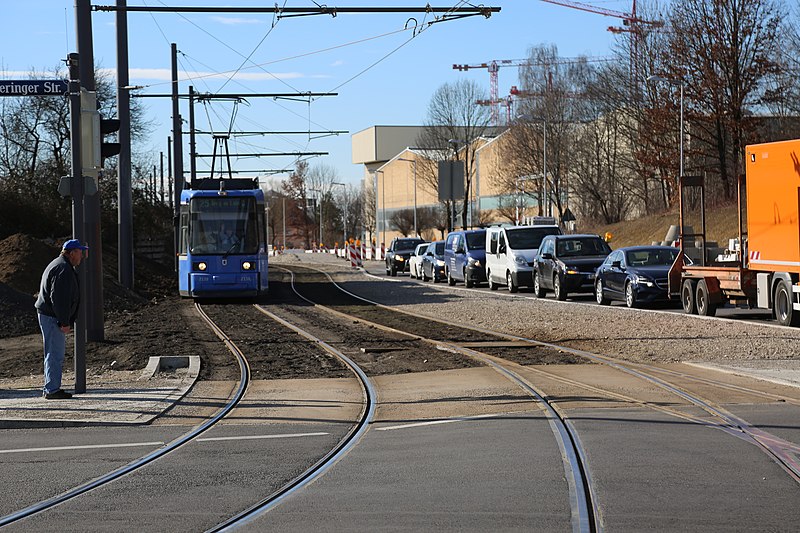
pixel 141 462
pixel 781 451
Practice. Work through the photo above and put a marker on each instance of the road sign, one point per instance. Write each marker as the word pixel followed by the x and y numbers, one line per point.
pixel 33 87
pixel 451 180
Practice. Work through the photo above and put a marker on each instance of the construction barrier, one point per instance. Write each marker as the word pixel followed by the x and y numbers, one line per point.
pixel 383 252
pixel 372 250
pixel 353 258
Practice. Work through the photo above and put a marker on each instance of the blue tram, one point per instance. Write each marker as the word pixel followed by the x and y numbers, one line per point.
pixel 222 247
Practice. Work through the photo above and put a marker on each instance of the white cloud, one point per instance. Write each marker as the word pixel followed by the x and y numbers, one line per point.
pixel 234 21
pixel 337 63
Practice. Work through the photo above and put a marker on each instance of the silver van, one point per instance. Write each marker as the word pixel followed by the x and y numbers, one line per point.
pixel 510 251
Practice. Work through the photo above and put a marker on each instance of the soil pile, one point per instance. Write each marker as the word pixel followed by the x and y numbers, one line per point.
pixel 22 261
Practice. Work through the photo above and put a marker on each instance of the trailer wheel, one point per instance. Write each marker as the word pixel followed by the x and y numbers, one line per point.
pixel 687 297
pixel 703 300
pixel 782 305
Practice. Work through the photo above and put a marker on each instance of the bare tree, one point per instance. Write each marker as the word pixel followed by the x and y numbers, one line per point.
pixel 403 221
pixel 453 125
pixel 723 51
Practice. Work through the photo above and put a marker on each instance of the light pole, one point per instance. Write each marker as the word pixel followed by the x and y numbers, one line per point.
pixel 319 199
pixel 680 82
pixel 414 163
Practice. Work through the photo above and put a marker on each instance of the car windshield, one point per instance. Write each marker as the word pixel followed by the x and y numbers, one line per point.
pixel 476 240
pixel 439 250
pixel 527 238
pixel 651 257
pixel 406 245
pixel 581 246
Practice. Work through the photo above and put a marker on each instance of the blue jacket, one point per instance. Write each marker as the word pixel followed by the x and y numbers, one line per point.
pixel 59 294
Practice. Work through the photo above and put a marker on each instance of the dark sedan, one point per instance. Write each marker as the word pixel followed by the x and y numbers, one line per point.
pixel 635 275
pixel 567 263
pixel 433 262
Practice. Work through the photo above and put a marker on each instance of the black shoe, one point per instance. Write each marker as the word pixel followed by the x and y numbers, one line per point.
pixel 60 394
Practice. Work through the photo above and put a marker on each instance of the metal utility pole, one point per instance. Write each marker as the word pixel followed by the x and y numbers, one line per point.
pixel 284 223
pixel 178 147
pixel 94 263
pixel 77 191
pixel 161 195
pixel 124 190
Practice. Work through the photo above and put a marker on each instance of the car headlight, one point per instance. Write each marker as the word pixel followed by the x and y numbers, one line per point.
pixel 201 266
pixel 518 259
pixel 400 258
pixel 439 262
pixel 572 271
pixel 641 280
pixel 247 265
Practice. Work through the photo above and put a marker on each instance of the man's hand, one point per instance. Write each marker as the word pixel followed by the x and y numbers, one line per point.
pixel 65 329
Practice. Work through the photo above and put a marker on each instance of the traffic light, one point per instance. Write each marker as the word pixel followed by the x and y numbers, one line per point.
pixel 107 126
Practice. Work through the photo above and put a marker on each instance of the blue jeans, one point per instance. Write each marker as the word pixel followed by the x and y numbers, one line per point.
pixel 55 344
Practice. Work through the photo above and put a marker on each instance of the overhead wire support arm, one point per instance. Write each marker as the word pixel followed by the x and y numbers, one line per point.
pixel 245 133
pixel 284 12
pixel 267 154
pixel 232 96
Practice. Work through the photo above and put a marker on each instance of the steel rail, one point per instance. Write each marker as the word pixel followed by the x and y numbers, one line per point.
pixel 328 460
pixel 773 446
pixel 149 458
pixel 582 503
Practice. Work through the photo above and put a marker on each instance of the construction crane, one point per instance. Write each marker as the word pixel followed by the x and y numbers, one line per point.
pixel 494 67
pixel 630 21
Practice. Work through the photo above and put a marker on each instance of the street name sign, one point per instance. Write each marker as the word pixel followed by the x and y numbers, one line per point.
pixel 33 87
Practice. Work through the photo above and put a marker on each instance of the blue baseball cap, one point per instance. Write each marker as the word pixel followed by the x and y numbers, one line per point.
pixel 74 244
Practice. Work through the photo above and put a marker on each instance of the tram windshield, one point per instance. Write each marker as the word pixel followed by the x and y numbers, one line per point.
pixel 223 225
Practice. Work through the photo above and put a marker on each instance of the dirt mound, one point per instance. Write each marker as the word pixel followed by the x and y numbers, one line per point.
pixel 17 314
pixel 22 261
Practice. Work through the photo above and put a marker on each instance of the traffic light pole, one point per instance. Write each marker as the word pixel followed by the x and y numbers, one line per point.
pixel 124 194
pixel 177 146
pixel 77 192
pixel 94 263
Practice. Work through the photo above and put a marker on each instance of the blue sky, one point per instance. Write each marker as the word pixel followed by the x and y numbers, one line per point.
pixel 318 54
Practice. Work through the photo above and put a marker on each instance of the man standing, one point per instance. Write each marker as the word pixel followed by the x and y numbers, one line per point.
pixel 57 306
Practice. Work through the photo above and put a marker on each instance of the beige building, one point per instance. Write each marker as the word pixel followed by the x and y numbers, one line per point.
pixel 405 177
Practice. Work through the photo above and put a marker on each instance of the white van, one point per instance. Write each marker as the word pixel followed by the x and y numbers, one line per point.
pixel 510 251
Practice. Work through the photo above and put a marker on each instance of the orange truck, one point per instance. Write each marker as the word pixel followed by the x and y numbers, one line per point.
pixel 762 268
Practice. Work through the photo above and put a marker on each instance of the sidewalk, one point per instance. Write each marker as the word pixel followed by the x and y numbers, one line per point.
pixel 117 398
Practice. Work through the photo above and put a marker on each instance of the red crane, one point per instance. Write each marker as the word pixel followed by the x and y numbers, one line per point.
pixel 494 67
pixel 631 22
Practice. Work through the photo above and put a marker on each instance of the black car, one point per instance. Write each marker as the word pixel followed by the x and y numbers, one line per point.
pixel 635 275
pixel 399 252
pixel 567 263
pixel 433 262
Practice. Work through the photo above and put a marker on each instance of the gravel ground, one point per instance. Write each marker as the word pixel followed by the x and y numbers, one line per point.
pixel 631 334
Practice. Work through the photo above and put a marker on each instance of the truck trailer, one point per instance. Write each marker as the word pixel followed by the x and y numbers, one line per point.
pixel 762 267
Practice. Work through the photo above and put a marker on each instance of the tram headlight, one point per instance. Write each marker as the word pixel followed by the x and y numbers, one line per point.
pixel 201 266
pixel 247 265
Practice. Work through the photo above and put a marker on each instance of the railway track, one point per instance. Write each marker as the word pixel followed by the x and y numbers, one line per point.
pixel 783 452
pixel 194 433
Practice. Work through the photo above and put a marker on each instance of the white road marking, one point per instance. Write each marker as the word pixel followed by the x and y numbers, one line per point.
pixel 246 437
pixel 84 447
pixel 436 422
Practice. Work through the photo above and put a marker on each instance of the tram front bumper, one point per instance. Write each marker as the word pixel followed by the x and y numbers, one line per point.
pixel 222 285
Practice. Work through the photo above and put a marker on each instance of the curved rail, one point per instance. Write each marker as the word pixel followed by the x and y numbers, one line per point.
pixel 327 461
pixel 584 511
pixel 149 458
pixel 775 447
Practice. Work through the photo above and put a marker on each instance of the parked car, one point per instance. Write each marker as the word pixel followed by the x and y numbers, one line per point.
pixel 567 263
pixel 635 275
pixel 415 261
pixel 465 256
pixel 433 262
pixel 510 251
pixel 399 252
